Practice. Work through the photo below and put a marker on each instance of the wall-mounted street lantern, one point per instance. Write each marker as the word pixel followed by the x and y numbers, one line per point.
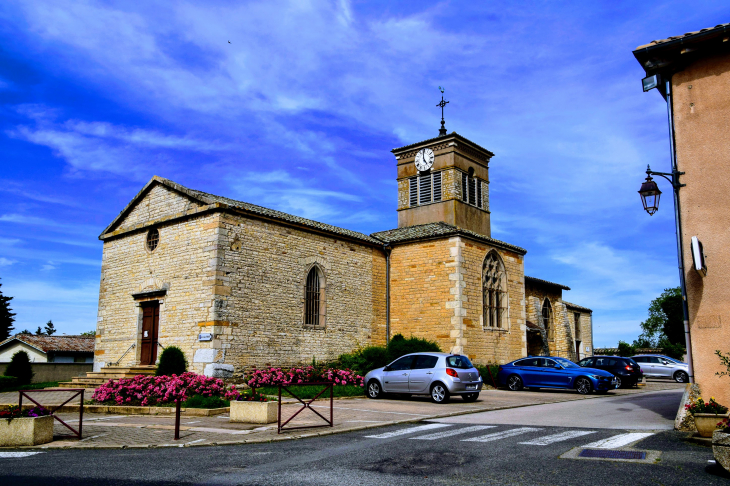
pixel 650 192
pixel 650 195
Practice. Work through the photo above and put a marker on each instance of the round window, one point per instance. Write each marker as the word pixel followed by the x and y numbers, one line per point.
pixel 153 239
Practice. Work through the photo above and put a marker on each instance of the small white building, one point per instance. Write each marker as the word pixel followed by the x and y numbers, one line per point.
pixel 49 349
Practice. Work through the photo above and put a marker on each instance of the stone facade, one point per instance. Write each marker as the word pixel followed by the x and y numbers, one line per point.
pixel 230 277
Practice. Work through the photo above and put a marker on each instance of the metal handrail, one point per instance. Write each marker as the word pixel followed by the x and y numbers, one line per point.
pixel 120 359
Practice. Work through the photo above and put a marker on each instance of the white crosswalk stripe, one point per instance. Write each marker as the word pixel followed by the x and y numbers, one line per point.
pixel 551 439
pixel 450 433
pixel 8 455
pixel 502 435
pixel 617 441
pixel 411 430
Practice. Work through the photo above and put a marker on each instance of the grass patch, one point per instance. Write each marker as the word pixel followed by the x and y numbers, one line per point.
pixel 32 386
pixel 311 391
pixel 199 401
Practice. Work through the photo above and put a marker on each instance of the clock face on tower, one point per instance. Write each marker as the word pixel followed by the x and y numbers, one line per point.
pixel 424 159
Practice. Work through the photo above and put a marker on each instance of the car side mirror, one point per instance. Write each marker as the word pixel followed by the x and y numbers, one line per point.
pixel 665 362
pixel 386 368
pixel 558 367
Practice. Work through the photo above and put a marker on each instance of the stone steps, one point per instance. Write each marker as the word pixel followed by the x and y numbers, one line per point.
pixel 93 379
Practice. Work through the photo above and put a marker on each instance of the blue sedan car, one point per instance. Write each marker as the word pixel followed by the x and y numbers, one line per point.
pixel 551 372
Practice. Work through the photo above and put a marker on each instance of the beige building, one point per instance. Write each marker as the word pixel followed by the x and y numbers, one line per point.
pixel 697 66
pixel 49 349
pixel 236 285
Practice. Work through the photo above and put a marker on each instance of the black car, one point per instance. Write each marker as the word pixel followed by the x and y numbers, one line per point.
pixel 626 370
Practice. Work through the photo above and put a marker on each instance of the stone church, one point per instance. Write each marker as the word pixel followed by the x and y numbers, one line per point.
pixel 236 285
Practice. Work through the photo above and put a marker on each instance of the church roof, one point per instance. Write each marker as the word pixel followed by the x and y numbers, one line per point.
pixel 450 135
pixel 437 230
pixel 209 199
pixel 540 281
pixel 46 344
pixel 575 306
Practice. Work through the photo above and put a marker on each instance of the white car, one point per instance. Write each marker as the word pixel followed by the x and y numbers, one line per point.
pixel 657 366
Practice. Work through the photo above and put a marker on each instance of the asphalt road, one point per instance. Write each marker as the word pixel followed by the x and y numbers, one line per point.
pixel 469 452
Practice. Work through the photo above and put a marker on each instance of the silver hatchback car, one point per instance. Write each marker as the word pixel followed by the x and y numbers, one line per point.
pixel 439 375
pixel 658 366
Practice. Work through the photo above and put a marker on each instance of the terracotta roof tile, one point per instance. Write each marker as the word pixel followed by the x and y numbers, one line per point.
pixel 575 306
pixel 683 36
pixel 55 343
pixel 545 282
pixel 439 229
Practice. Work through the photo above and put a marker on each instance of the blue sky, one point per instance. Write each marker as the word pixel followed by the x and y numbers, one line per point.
pixel 299 113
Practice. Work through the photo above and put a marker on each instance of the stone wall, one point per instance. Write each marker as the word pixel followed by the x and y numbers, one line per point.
pixel 561 341
pixel 183 263
pixel 436 293
pixel 260 302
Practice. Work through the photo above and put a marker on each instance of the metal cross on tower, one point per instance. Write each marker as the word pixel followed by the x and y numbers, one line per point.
pixel 442 130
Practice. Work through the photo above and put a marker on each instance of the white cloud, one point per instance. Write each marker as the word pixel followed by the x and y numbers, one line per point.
pixel 6 261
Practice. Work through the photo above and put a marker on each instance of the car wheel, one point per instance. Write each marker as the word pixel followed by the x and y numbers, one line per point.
pixel 439 393
pixel 374 390
pixel 514 383
pixel 583 385
pixel 681 377
pixel 470 397
pixel 618 382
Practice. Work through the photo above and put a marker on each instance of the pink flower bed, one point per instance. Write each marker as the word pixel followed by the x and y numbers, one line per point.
pixel 147 390
pixel 308 374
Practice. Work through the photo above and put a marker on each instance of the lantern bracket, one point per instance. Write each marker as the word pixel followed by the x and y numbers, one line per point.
pixel 672 177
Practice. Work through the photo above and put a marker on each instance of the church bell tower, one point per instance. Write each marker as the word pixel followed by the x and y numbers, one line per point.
pixel 444 179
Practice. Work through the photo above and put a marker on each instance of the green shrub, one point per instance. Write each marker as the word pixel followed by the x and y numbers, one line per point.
pixel 199 401
pixel 20 368
pixel 625 349
pixel 8 382
pixel 172 362
pixel 399 346
pixel 484 372
pixel 675 351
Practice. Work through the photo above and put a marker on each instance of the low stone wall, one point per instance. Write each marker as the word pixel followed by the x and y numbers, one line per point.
pixel 45 372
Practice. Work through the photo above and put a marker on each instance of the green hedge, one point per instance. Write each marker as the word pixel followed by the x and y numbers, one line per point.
pixel 8 382
pixel 372 357
pixel 172 362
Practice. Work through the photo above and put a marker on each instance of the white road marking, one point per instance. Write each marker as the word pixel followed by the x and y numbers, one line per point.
pixel 411 430
pixel 93 437
pixel 193 422
pixel 371 411
pixel 449 433
pixel 502 435
pixel 617 441
pixel 550 439
pixel 8 455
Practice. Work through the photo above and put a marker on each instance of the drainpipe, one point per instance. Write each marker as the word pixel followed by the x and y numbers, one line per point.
pixel 678 228
pixel 593 345
pixel 387 249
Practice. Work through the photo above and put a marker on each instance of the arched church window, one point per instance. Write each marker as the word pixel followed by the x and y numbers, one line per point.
pixel 314 298
pixel 494 291
pixel 547 318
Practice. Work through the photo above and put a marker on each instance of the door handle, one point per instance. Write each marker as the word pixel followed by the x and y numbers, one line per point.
pixel 405 374
pixel 429 373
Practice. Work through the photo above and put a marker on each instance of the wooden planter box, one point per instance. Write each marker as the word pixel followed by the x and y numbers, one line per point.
pixel 706 423
pixel 254 412
pixel 26 431
pixel 721 448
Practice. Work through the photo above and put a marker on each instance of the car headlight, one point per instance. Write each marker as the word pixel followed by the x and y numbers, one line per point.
pixel 596 377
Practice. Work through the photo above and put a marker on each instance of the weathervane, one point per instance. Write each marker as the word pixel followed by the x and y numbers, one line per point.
pixel 442 130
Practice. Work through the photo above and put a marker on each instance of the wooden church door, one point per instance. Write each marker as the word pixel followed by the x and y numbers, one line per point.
pixel 150 323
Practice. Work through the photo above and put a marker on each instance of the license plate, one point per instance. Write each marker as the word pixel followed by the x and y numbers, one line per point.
pixel 471 387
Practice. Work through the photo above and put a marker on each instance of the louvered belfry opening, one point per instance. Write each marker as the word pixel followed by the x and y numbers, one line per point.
pixel 424 189
pixel 494 291
pixel 312 298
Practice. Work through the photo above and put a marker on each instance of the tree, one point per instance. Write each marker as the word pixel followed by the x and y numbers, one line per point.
pixel 665 320
pixel 172 362
pixel 39 331
pixel 6 316
pixel 88 334
pixel 25 331
pixel 50 328
pixel 20 368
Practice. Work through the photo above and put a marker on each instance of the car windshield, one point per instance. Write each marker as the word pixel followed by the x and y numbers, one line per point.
pixel 566 363
pixel 461 362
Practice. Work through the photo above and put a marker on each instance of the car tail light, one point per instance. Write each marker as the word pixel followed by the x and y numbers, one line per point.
pixel 451 372
pixel 629 368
